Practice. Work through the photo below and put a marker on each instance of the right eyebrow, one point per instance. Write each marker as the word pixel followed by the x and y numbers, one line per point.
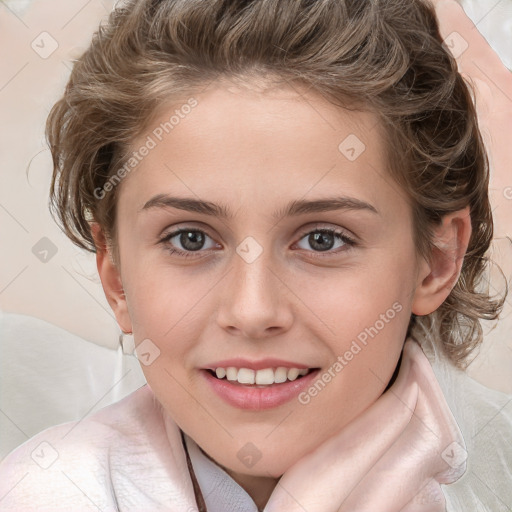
pixel 189 204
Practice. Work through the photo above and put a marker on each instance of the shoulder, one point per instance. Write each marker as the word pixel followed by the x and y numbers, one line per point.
pixel 69 465
pixel 484 417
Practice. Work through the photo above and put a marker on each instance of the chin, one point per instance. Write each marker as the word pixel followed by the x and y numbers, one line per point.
pixel 251 462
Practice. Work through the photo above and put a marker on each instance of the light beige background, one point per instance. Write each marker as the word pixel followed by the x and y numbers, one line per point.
pixel 65 290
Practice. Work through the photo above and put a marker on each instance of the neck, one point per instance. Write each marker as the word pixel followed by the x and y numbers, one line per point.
pixel 259 488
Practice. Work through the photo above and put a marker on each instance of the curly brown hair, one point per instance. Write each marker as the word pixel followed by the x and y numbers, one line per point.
pixel 386 56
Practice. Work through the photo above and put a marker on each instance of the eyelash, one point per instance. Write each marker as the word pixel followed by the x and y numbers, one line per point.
pixel 348 241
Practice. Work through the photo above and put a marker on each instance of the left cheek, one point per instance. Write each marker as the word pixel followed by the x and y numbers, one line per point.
pixel 364 319
pixel 350 303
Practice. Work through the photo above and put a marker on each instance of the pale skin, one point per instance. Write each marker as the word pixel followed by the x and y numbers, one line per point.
pixel 254 152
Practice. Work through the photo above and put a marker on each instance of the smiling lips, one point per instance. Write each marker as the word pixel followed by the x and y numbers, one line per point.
pixel 258 385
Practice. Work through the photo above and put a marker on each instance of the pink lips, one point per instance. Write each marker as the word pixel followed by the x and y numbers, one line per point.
pixel 258 398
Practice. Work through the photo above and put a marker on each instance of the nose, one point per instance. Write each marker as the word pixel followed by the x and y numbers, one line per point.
pixel 254 302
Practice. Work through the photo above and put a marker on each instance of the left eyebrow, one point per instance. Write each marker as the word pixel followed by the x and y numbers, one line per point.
pixel 294 208
pixel 301 206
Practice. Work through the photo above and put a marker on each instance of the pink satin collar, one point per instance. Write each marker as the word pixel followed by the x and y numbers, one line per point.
pixel 393 457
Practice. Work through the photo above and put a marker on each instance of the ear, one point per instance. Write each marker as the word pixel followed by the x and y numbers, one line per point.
pixel 111 279
pixel 438 276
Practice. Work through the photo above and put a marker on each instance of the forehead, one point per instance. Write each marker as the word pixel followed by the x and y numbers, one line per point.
pixel 274 117
pixel 250 143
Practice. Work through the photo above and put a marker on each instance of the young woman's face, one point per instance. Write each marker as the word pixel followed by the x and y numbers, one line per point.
pixel 297 252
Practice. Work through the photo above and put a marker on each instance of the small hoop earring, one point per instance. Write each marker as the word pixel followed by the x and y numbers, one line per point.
pixel 127 343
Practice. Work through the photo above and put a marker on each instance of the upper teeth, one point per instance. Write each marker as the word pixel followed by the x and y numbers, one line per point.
pixel 266 376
